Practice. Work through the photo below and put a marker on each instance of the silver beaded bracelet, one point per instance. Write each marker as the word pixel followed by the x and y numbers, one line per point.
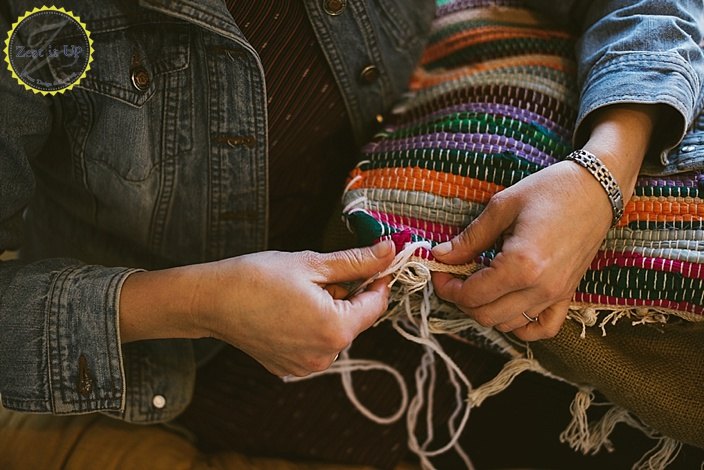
pixel 604 177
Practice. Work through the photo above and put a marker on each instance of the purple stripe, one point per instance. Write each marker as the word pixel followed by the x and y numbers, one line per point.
pixel 486 143
pixel 688 181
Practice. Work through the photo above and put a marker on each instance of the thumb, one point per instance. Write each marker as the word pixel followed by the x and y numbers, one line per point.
pixel 479 235
pixel 357 263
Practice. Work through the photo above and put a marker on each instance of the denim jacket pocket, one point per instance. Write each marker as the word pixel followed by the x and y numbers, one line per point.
pixel 135 89
pixel 129 61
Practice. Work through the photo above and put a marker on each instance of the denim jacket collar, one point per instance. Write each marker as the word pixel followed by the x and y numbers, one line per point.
pixel 211 15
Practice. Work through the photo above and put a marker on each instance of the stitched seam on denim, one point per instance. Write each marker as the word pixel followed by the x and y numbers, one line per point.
pixel 626 61
pixel 215 154
pixel 168 161
pixel 370 40
pixel 99 402
pixel 342 79
pixel 261 122
pixel 54 347
pixel 206 19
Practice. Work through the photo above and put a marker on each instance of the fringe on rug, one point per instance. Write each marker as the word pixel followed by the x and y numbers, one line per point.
pixel 414 301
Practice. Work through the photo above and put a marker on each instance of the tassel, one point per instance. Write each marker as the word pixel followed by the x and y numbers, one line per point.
pixel 661 456
pixel 503 379
pixel 577 434
pixel 602 429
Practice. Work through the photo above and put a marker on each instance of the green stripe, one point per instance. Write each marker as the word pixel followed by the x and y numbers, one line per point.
pixel 503 169
pixel 667 191
pixel 465 122
pixel 503 48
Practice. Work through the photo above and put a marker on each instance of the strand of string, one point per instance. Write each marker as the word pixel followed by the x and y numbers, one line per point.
pixel 414 277
pixel 345 366
pixel 415 328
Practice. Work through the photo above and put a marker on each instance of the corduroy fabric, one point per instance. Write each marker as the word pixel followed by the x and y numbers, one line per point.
pixel 306 117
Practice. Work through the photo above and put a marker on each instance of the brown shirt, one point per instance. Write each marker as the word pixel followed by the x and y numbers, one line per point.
pixel 306 114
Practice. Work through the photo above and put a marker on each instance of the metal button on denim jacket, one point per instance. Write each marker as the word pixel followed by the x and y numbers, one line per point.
pixel 138 166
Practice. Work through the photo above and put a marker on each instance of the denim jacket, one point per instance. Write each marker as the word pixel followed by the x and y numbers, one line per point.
pixel 121 174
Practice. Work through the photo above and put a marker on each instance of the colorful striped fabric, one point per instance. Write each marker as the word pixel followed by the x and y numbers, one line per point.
pixel 495 100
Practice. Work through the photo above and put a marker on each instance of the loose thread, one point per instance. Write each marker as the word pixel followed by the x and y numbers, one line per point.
pixel 420 333
pixel 576 435
pixel 411 319
pixel 503 379
pixel 661 456
pixel 345 366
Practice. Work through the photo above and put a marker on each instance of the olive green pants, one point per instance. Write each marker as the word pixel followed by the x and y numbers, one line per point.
pixel 30 441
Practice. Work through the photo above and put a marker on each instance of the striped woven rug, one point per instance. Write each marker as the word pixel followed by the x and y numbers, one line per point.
pixel 493 101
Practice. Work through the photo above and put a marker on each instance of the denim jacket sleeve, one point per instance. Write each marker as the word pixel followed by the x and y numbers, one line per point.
pixel 60 348
pixel 59 339
pixel 637 52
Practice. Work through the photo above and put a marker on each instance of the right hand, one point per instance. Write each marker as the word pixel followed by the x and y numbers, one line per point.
pixel 286 310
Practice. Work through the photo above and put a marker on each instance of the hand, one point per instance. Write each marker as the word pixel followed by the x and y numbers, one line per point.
pixel 551 225
pixel 286 310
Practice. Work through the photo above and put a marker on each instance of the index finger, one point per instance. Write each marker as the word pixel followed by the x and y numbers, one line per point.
pixel 362 310
pixel 483 287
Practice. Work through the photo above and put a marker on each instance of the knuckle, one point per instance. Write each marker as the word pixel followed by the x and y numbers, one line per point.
pixel 496 201
pixel 467 236
pixel 354 258
pixel 484 319
pixel 531 266
pixel 311 258
pixel 550 331
pixel 336 339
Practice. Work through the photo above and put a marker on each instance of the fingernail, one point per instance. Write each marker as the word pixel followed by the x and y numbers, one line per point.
pixel 442 249
pixel 383 249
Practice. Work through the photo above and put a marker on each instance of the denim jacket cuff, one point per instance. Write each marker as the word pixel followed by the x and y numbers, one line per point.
pixel 160 380
pixel 86 371
pixel 668 79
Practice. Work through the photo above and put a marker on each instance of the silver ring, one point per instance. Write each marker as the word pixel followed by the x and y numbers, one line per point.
pixel 336 356
pixel 529 318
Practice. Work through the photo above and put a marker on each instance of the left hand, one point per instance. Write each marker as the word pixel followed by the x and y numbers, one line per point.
pixel 551 225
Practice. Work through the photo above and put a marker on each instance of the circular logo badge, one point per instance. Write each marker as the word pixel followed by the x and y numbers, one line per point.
pixel 48 50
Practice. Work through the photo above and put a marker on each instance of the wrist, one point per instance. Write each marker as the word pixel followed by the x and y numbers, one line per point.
pixel 620 137
pixel 604 177
pixel 160 304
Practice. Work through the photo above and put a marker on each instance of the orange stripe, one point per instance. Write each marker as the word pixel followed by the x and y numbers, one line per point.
pixel 429 181
pixel 475 190
pixel 641 209
pixel 673 207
